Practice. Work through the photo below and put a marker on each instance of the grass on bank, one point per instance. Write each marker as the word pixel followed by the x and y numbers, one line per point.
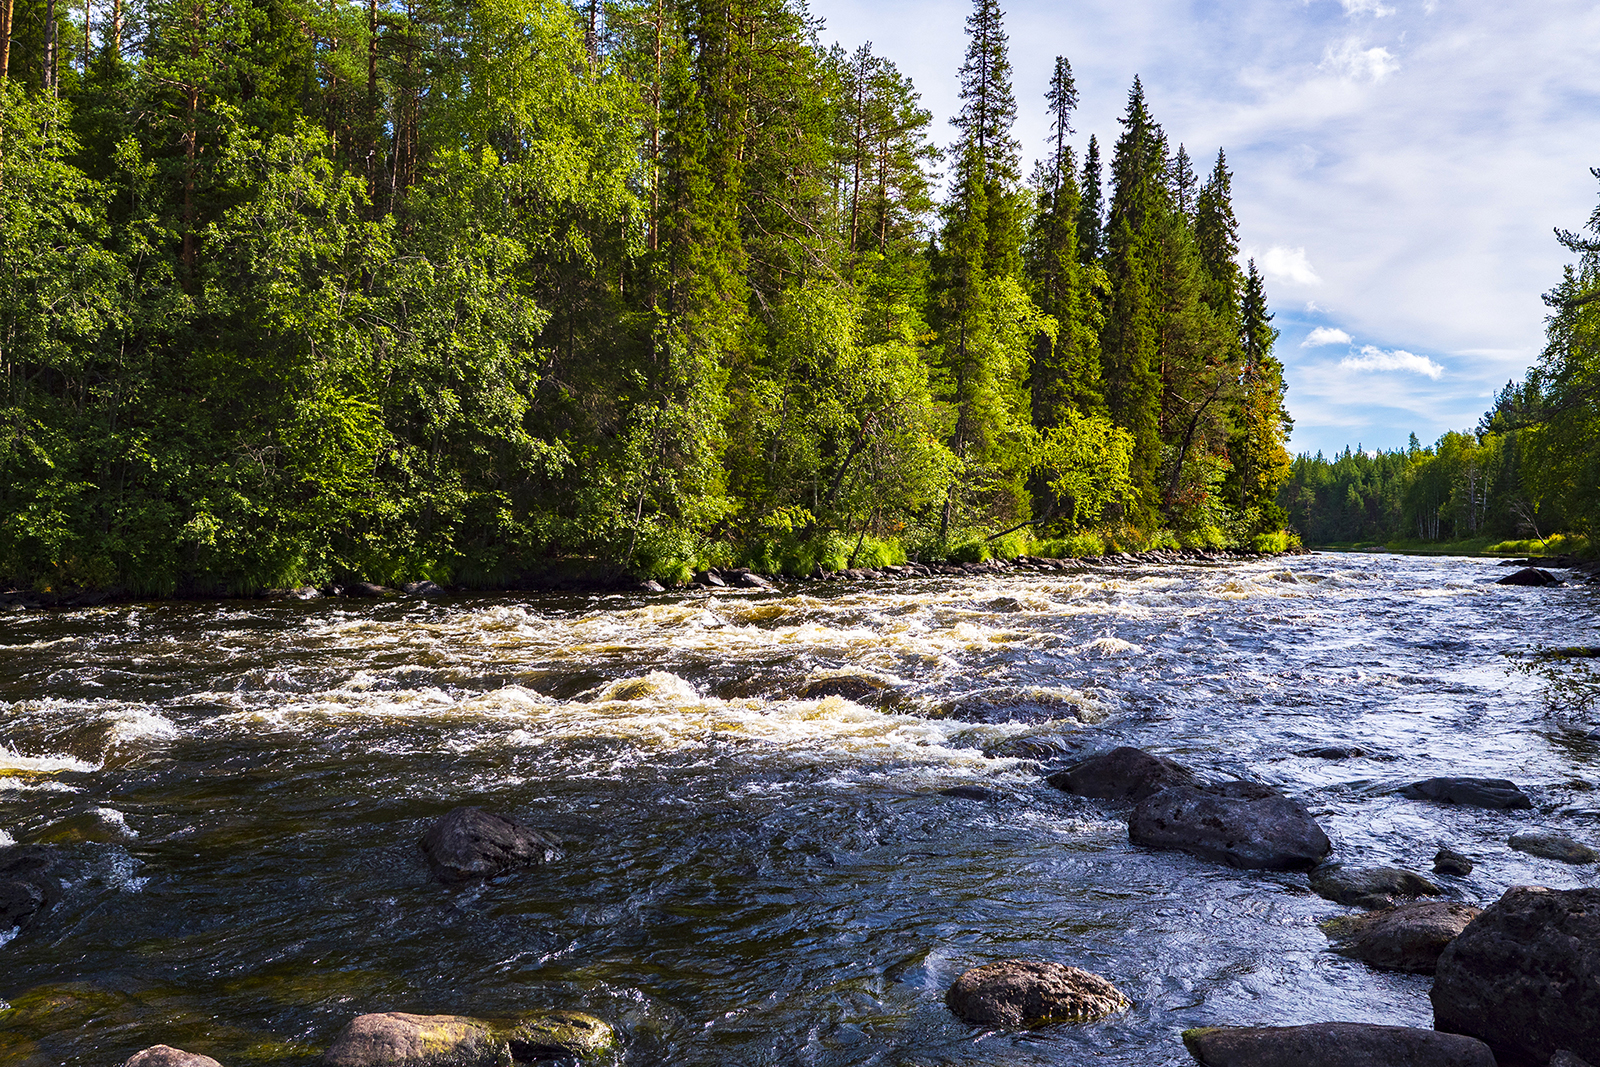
pixel 1554 545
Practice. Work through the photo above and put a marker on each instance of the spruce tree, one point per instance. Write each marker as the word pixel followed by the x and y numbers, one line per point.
pixel 1260 462
pixel 1091 210
pixel 1217 235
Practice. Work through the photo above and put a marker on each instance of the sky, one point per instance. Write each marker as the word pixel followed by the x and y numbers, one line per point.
pixel 1398 168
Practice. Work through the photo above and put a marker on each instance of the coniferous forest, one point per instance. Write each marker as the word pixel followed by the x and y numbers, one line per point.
pixel 298 292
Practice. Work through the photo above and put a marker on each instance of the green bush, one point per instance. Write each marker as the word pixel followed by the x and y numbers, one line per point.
pixel 1207 537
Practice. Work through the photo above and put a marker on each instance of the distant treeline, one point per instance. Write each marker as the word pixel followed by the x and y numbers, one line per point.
pixel 1530 469
pixel 300 292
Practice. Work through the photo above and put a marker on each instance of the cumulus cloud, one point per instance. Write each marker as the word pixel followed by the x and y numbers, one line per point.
pixel 1373 358
pixel 1325 335
pixel 1349 60
pixel 1283 264
pixel 1366 7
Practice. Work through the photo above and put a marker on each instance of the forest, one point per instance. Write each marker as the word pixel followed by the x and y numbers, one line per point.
pixel 460 289
pixel 1527 477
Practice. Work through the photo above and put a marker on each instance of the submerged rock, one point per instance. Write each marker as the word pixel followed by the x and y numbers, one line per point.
pixel 1022 994
pixel 1469 792
pixel 470 843
pixel 167 1056
pixel 1238 823
pixel 1333 752
pixel 1369 887
pixel 969 792
pixel 1333 1045
pixel 1407 938
pixel 28 886
pixel 1555 847
pixel 1121 774
pixel 400 1039
pixel 851 687
pixel 1525 975
pixel 1567 1059
pixel 1529 576
pixel 1034 748
pixel 1449 861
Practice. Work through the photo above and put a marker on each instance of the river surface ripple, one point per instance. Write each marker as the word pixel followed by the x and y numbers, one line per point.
pixel 752 876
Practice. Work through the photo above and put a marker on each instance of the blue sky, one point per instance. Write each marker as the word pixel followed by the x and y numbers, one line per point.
pixel 1398 168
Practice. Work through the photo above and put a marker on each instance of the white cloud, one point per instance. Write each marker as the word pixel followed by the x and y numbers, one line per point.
pixel 1283 264
pixel 1374 358
pixel 1366 7
pixel 1325 335
pixel 1351 61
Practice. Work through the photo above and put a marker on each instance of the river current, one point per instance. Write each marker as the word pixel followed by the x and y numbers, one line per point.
pixel 759 865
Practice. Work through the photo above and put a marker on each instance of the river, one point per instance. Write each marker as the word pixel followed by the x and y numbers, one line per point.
pixel 752 875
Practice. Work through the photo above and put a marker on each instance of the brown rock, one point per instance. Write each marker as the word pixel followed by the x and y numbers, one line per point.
pixel 1449 861
pixel 1407 938
pixel 1333 1045
pixel 167 1056
pixel 1022 994
pixel 1524 976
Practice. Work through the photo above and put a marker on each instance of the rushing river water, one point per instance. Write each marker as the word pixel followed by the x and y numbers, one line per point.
pixel 752 876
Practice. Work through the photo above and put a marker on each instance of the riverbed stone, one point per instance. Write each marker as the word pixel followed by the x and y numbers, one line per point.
pixel 1554 847
pixel 1023 994
pixel 1333 1045
pixel 560 1037
pixel 1470 792
pixel 1369 887
pixel 28 884
pixel 469 843
pixel 401 1039
pixel 1533 576
pixel 1524 976
pixel 1567 1059
pixel 1449 861
pixel 1122 774
pixel 1405 938
pixel 167 1056
pixel 1241 824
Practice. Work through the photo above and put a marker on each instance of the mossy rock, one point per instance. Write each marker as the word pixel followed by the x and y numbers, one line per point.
pixel 561 1037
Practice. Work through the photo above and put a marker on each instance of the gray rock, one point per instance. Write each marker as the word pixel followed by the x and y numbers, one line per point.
pixel 1333 752
pixel 423 588
pixel 1469 792
pixel 1567 1059
pixel 1555 847
pixel 754 581
pixel 1121 774
pixel 470 843
pixel 1529 576
pixel 1034 748
pixel 1239 823
pixel 367 590
pixel 400 1039
pixel 1525 975
pixel 1407 938
pixel 969 792
pixel 1449 861
pixel 650 585
pixel 710 579
pixel 1369 887
pixel 167 1056
pixel 1022 994
pixel 1333 1045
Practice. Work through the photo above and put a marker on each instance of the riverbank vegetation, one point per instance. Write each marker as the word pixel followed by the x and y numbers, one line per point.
pixel 1525 481
pixel 449 289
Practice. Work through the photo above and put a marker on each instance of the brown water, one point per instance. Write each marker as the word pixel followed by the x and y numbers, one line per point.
pixel 751 876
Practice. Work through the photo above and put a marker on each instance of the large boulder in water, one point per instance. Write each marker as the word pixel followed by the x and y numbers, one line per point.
pixel 1121 774
pixel 1022 994
pixel 400 1039
pixel 1333 1045
pixel 1407 938
pixel 1555 847
pixel 1369 887
pixel 167 1056
pixel 470 843
pixel 1529 576
pixel 1239 823
pixel 1469 792
pixel 1525 975
pixel 28 884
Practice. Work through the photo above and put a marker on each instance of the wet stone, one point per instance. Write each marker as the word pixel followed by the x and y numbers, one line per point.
pixel 1449 861
pixel 969 792
pixel 1024 994
pixel 1369 887
pixel 400 1039
pixel 1495 793
pixel 1567 1059
pixel 1333 752
pixel 1238 823
pixel 1531 576
pixel 167 1056
pixel 1034 748
pixel 1524 976
pixel 28 886
pixel 1554 847
pixel 470 843
pixel 1407 938
pixel 1333 1045
pixel 851 687
pixel 1121 774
